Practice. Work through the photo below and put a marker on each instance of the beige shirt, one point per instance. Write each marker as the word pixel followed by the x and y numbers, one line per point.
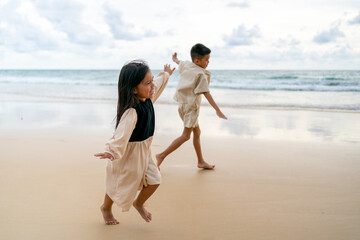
pixel 193 81
pixel 125 175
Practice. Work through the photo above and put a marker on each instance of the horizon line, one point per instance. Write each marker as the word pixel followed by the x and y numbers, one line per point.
pixel 224 69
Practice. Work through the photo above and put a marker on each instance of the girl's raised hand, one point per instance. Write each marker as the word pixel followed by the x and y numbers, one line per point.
pixel 104 155
pixel 168 69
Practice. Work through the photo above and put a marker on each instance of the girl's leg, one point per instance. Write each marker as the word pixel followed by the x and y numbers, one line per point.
pixel 145 193
pixel 197 146
pixel 107 212
pixel 174 145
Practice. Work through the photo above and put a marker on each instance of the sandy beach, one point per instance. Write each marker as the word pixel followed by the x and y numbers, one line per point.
pixel 273 183
pixel 286 74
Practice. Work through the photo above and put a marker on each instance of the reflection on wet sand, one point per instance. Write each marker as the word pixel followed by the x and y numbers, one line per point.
pixel 292 125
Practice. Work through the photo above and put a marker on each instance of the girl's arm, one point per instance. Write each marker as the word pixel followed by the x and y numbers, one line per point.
pixel 161 81
pixel 116 147
pixel 214 105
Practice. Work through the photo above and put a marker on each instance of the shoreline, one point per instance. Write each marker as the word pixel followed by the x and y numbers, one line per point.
pixel 262 124
pixel 60 100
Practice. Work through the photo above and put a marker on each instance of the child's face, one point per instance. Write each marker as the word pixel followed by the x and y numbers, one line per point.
pixel 203 62
pixel 146 87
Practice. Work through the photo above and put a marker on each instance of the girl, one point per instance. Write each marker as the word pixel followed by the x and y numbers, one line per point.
pixel 130 166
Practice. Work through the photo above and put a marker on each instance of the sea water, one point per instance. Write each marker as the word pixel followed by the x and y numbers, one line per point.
pixel 329 90
pixel 282 105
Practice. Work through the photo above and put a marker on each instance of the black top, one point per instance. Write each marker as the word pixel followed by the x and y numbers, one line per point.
pixel 145 124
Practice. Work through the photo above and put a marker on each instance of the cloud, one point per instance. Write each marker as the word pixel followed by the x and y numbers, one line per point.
pixel 122 30
pixel 328 35
pixel 169 32
pixel 242 36
pixel 32 26
pixel 150 33
pixel 22 29
pixel 334 57
pixel 356 20
pixel 342 53
pixel 243 4
pixel 58 11
pixel 67 16
pixel 119 29
pixel 282 43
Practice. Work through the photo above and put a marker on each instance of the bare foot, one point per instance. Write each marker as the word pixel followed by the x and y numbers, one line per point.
pixel 205 165
pixel 144 214
pixel 108 216
pixel 159 160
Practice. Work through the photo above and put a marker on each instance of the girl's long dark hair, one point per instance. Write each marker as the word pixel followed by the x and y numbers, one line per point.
pixel 130 76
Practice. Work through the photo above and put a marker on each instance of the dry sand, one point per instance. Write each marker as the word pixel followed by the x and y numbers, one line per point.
pixel 52 188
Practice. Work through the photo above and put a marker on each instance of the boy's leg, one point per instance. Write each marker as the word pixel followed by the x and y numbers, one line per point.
pixel 197 146
pixel 174 145
pixel 144 194
pixel 107 212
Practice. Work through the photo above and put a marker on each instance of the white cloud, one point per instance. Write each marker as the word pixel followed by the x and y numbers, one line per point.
pixel 119 29
pixel 356 20
pixel 107 33
pixel 242 36
pixel 24 30
pixel 122 30
pixel 243 4
pixel 150 33
pixel 282 43
pixel 67 16
pixel 328 36
pixel 169 32
pixel 285 58
pixel 45 26
pixel 60 11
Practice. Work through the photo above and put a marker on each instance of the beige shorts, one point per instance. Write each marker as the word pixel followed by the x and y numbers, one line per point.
pixel 152 175
pixel 189 114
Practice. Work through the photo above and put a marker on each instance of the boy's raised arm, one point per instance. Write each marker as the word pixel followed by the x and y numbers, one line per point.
pixel 214 105
pixel 175 59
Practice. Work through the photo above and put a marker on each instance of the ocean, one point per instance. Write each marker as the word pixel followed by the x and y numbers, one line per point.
pixel 323 90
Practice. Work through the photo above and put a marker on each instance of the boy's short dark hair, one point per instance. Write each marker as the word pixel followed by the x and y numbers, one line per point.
pixel 198 51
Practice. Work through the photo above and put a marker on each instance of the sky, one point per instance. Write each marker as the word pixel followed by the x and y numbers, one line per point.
pixel 249 34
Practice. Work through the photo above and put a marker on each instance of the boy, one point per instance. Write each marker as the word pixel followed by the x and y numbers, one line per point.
pixel 194 81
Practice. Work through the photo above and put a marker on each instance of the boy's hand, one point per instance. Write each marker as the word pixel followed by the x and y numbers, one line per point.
pixel 104 155
pixel 168 69
pixel 175 59
pixel 221 115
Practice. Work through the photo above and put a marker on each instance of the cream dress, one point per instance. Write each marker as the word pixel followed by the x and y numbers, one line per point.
pixel 133 166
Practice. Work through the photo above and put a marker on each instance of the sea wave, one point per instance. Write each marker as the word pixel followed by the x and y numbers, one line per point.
pixel 284 77
pixel 333 78
pixel 329 90
pixel 286 80
pixel 261 85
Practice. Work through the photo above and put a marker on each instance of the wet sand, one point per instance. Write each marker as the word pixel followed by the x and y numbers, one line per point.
pixel 52 188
